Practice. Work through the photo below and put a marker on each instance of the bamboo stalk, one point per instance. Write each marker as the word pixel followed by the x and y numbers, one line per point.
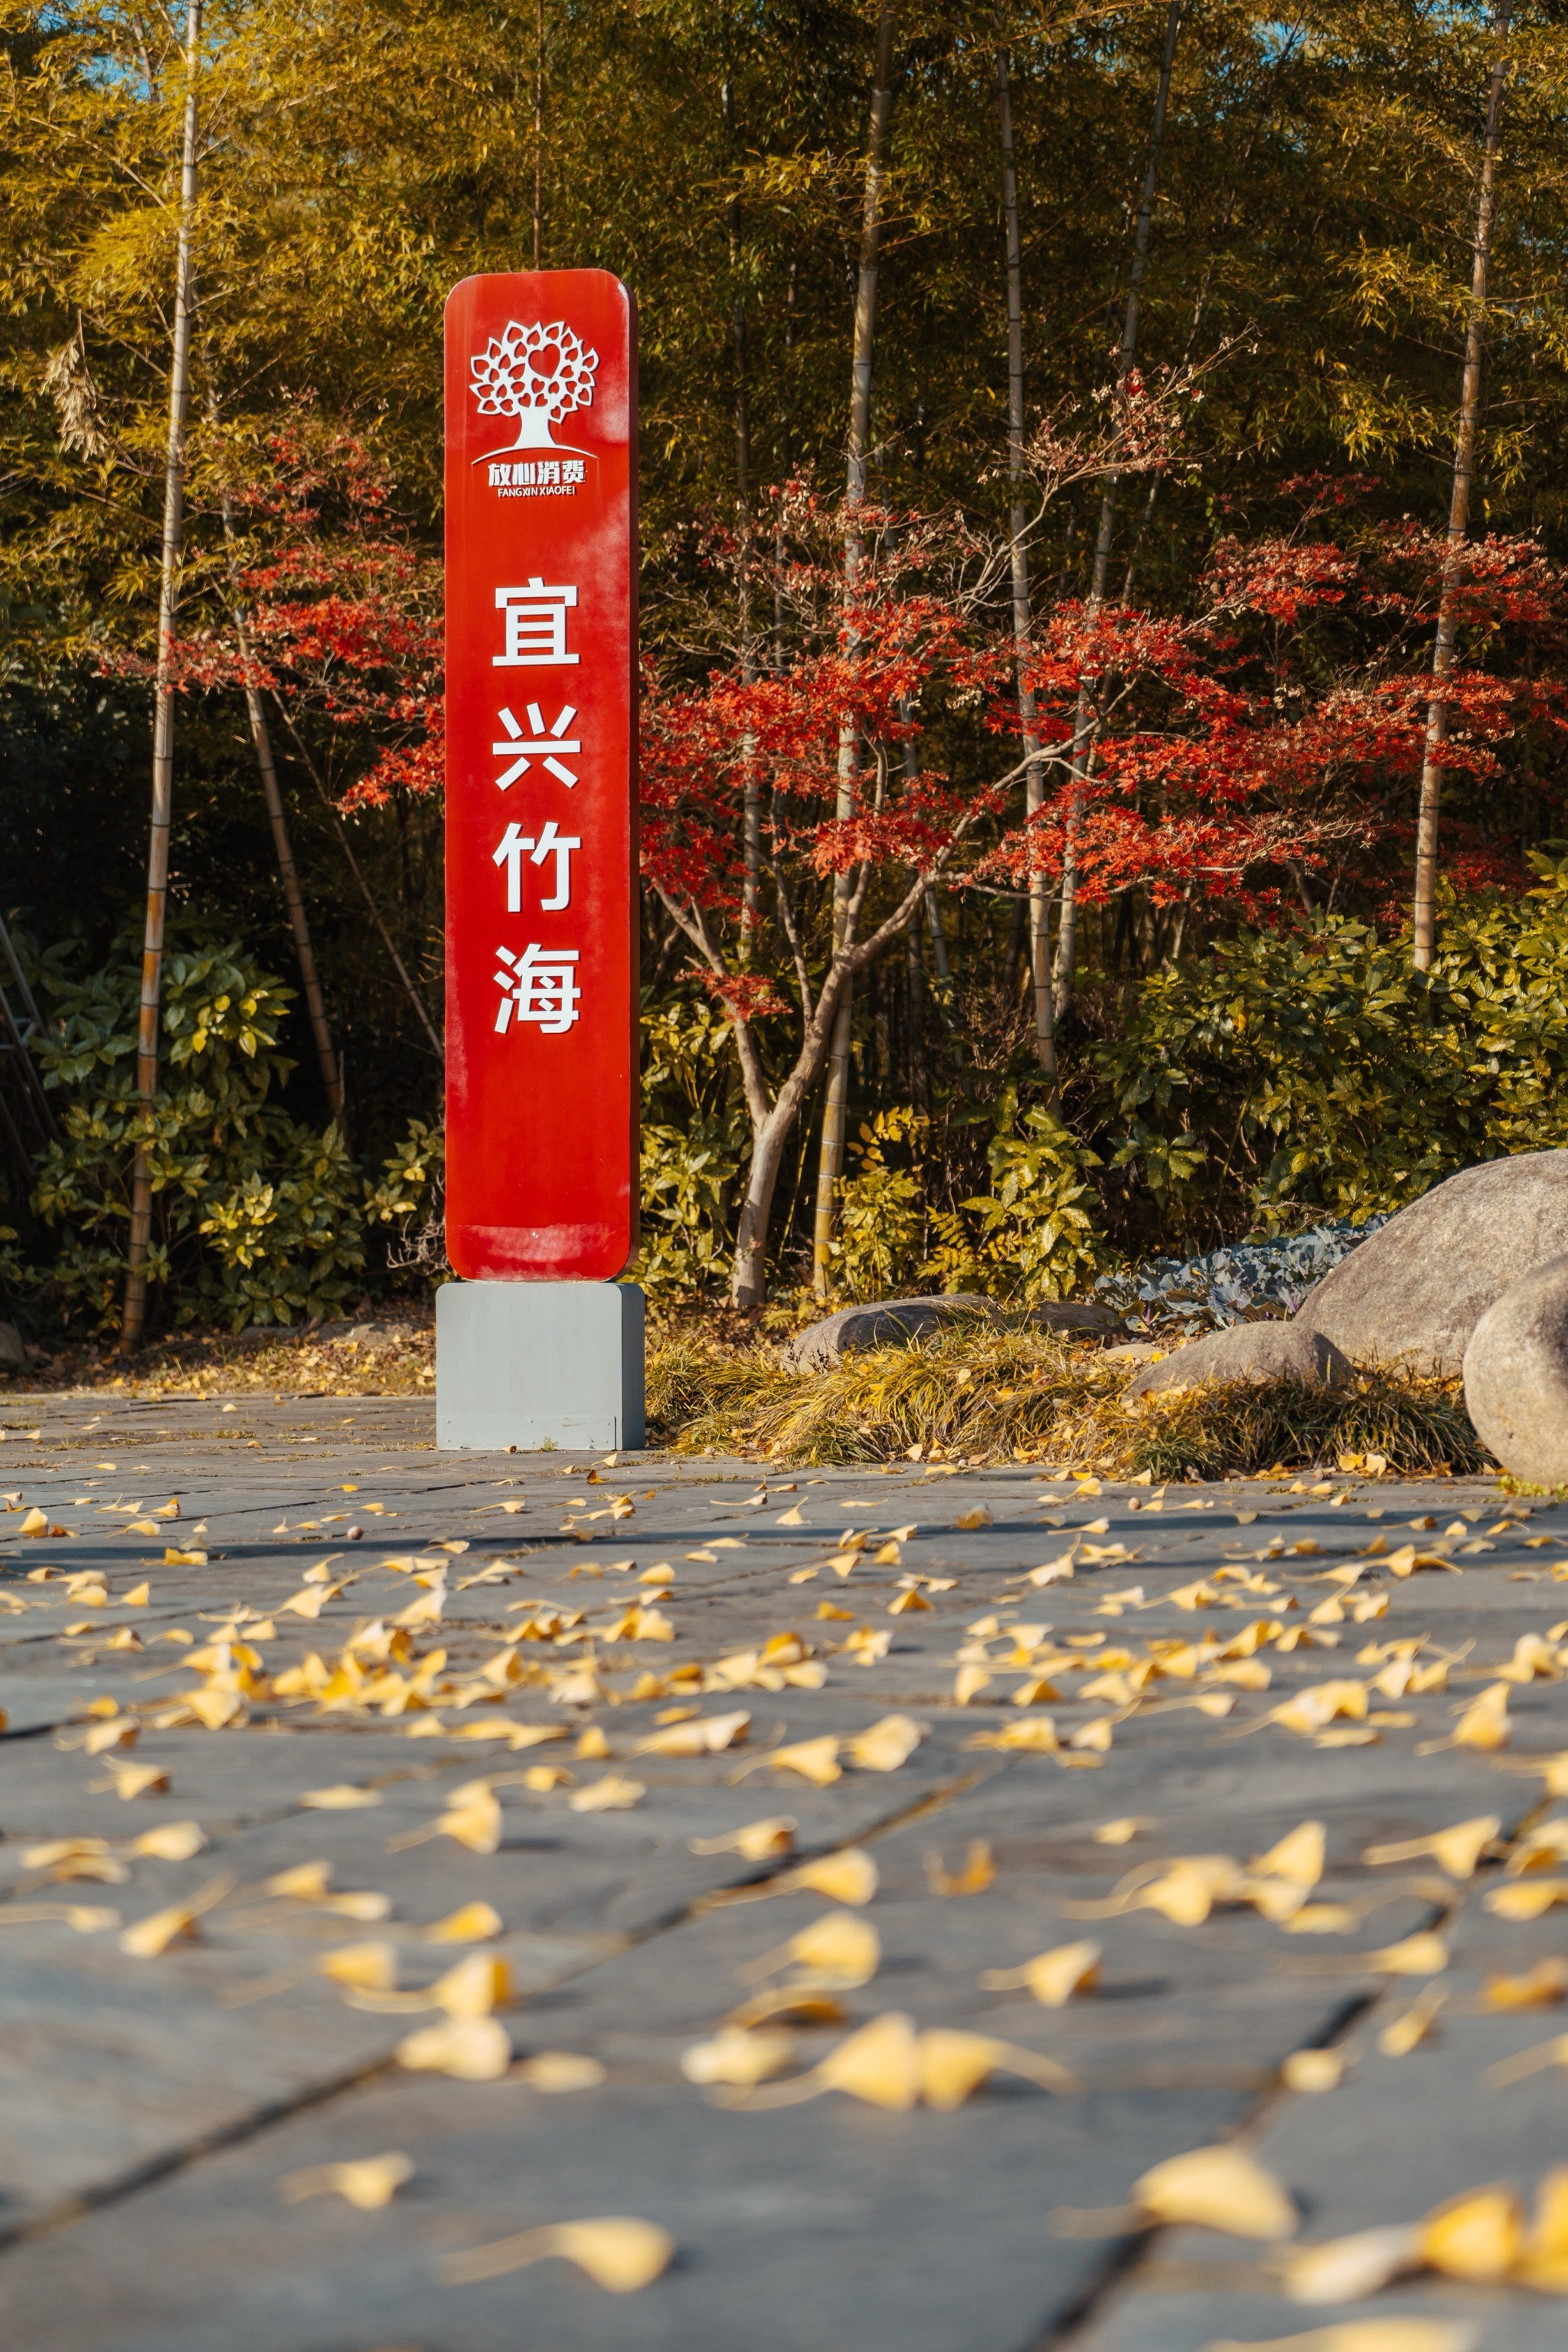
pixel 1023 625
pixel 1425 910
pixel 830 1156
pixel 1127 352
pixel 151 1012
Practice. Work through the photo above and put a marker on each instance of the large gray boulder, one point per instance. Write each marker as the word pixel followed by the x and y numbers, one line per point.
pixel 886 1323
pixel 1516 1376
pixel 1246 1352
pixel 1414 1292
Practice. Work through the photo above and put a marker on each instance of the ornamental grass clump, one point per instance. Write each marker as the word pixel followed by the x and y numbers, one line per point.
pixel 1022 1395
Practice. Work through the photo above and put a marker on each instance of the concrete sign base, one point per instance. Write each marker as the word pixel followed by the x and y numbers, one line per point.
pixel 530 1364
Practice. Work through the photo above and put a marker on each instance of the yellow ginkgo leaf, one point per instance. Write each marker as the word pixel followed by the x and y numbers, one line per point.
pixel 1346 2269
pixel 137 1598
pixel 1480 2236
pixel 473 2049
pixel 473 1988
pixel 130 1780
pixel 977 1872
pixel 1485 1723
pixel 1124 1831
pixel 977 1518
pixel 1422 1954
pixel 1527 1899
pixel 1313 2070
pixel 176 1841
pixel 754 1842
pixel 1218 2189
pixel 146 1939
pixel 814 1760
pixel 1407 2032
pixel 1455 1850
pixel 954 2064
pixel 342 1797
pixel 305 1882
pixel 886 1745
pixel 556 2072
pixel 473 1818
pixel 738 2056
pixel 368 2181
pixel 839 1950
pixel 616 2252
pixel 472 1924
pixel 880 2064
pixel 1052 1977
pixel 1407 2334
pixel 367 1968
pixel 846 1877
pixel 1541 1987
pixel 613 1794
pixel 705 1735
pixel 1298 1858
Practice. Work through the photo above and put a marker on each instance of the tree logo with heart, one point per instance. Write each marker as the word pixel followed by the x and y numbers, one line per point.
pixel 537 373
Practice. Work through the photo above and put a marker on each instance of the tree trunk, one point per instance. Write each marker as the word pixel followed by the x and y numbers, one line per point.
pixel 1083 719
pixel 538 134
pixel 294 898
pixel 1426 906
pixel 751 791
pixel 830 1159
pixel 164 712
pixel 415 1000
pixel 1034 765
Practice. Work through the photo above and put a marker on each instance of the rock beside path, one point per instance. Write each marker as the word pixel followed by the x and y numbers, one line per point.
pixel 1414 1292
pixel 1247 1351
pixel 1516 1376
pixel 1067 1319
pixel 885 1323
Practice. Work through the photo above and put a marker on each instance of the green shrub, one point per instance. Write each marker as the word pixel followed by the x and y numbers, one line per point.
pixel 257 1217
pixel 1313 1072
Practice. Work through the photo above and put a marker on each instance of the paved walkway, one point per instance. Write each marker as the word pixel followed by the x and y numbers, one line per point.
pixel 152 2103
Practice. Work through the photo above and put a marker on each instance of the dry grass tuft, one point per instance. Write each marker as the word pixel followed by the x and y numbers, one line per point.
pixel 1024 1396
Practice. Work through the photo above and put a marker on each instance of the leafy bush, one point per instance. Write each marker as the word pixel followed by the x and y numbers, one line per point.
pixel 257 1217
pixel 691 1155
pixel 1296 1074
pixel 1036 1234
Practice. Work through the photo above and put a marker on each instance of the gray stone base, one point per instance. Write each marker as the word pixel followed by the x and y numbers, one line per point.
pixel 539 1363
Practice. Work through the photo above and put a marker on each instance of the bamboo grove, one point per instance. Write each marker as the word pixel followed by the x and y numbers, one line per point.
pixel 1103 617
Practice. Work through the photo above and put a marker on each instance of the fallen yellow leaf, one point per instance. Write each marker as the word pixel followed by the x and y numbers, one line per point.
pixel 368 2181
pixel 886 1745
pixel 736 2055
pixel 473 2049
pixel 754 1842
pixel 1455 1850
pixel 1052 1977
pixel 1217 2189
pixel 613 1794
pixel 1480 2236
pixel 1422 1954
pixel 558 2071
pixel 1313 2070
pixel 472 1924
pixel 617 2254
pixel 342 1797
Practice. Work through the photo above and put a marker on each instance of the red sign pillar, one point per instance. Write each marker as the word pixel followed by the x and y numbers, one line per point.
pixel 541 930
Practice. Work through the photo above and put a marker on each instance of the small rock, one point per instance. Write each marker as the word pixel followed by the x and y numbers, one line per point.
pixel 1247 1351
pixel 1066 1318
pixel 13 1354
pixel 1418 1288
pixel 1516 1376
pixel 886 1323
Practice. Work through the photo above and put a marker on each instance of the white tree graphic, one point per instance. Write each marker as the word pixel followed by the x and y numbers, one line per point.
pixel 538 374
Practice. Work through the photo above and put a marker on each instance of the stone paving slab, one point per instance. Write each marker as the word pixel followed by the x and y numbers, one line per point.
pixel 150 2107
